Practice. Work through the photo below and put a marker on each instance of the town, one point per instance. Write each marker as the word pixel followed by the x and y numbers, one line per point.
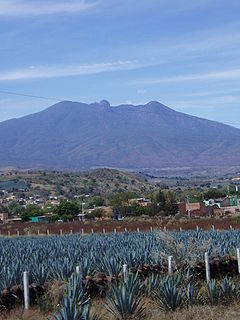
pixel 25 198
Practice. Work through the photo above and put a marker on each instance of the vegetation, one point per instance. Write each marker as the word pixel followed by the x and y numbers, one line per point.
pixel 105 187
pixel 56 257
pixel 135 296
pixel 66 210
pixel 32 210
pixel 100 182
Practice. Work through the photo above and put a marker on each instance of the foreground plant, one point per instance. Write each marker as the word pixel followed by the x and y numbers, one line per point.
pixel 77 290
pixel 124 301
pixel 151 283
pixel 227 290
pixel 191 294
pixel 72 311
pixel 213 292
pixel 169 296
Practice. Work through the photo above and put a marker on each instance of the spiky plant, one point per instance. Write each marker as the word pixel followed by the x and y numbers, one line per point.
pixel 77 290
pixel 227 290
pixel 124 302
pixel 169 296
pixel 151 283
pixel 111 266
pixel 213 292
pixel 133 283
pixel 191 294
pixel 40 274
pixel 71 311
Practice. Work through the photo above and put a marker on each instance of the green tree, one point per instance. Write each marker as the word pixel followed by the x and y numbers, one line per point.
pixel 171 203
pixel 90 216
pixel 31 210
pixel 15 209
pixel 95 202
pixel 98 213
pixel 67 208
pixel 121 198
pixel 160 199
pixel 215 193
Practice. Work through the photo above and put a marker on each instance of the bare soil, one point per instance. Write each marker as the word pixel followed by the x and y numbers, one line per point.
pixel 29 228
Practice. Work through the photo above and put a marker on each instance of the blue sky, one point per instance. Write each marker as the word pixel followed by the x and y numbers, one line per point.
pixel 185 54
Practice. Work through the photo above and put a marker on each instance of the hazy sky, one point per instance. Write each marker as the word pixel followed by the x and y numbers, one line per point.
pixel 183 53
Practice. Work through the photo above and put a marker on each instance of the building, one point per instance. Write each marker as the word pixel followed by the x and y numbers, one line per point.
pixel 13 220
pixel 39 219
pixel 143 202
pixel 220 212
pixel 228 202
pixel 195 209
pixel 3 218
pixel 223 206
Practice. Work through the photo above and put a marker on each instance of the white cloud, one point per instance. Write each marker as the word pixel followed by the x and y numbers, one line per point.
pixel 141 91
pixel 34 72
pixel 27 7
pixel 218 75
pixel 42 7
pixel 129 102
pixel 212 93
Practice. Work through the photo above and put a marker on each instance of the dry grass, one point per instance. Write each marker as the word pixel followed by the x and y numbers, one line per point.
pixel 20 314
pixel 50 302
pixel 231 312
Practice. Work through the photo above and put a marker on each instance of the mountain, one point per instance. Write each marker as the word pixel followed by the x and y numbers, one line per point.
pixel 75 136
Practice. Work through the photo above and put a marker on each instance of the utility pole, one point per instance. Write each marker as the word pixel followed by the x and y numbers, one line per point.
pixel 188 208
pixel 83 203
pixel 228 190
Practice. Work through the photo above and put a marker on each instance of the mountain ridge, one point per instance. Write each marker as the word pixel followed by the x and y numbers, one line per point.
pixel 77 135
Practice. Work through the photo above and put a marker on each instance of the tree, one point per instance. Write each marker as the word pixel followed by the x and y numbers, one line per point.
pixel 136 210
pixel 95 202
pixel 31 210
pixel 98 213
pixel 171 204
pixel 215 193
pixel 67 208
pixel 121 198
pixel 15 209
pixel 90 216
pixel 160 199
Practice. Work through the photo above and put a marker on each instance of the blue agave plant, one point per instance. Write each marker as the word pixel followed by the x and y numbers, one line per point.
pixel 191 294
pixel 72 311
pixel 124 301
pixel 77 290
pixel 213 292
pixel 169 296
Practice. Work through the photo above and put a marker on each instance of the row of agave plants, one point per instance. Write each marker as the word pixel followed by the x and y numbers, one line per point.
pixel 56 257
pixel 127 298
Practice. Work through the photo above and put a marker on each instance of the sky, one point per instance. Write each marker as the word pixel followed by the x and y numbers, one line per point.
pixel 182 53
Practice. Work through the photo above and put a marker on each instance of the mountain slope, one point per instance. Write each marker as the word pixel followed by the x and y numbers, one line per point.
pixel 76 135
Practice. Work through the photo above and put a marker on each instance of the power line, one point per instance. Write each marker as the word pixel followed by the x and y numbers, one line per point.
pixel 234 124
pixel 29 95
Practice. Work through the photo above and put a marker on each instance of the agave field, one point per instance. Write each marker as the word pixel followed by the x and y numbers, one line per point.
pixel 99 259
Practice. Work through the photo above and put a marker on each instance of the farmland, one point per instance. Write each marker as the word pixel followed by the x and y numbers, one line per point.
pixel 100 259
pixel 131 225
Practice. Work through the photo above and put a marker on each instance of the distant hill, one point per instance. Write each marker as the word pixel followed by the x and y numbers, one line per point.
pixel 72 135
pixel 101 182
